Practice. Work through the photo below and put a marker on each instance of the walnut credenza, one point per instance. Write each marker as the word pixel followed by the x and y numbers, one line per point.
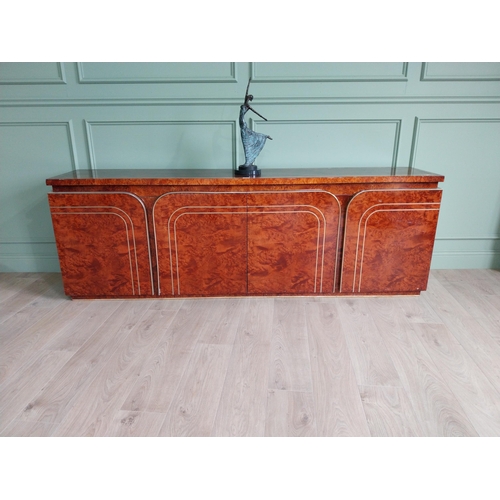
pixel 182 233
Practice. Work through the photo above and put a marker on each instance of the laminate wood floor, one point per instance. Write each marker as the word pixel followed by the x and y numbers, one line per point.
pixel 398 366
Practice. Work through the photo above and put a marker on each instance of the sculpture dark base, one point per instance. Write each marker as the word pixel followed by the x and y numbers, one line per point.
pixel 248 171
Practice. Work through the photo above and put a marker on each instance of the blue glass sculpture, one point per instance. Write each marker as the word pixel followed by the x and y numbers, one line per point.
pixel 253 142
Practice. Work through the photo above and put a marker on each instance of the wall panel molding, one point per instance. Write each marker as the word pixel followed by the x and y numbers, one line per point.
pixel 91 125
pixel 38 241
pixel 128 77
pixel 490 72
pixel 29 263
pixel 400 75
pixel 465 260
pixel 468 238
pixel 69 131
pixel 420 121
pixel 347 122
pixel 20 74
pixel 467 150
pixel 228 101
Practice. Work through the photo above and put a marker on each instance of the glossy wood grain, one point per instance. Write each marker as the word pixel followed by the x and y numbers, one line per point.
pixel 234 244
pixel 103 244
pixel 180 233
pixel 218 177
pixel 201 242
pixel 389 238
pixel 293 240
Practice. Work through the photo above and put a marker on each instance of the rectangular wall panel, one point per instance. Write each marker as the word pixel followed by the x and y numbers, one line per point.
pixel 161 144
pixel 467 152
pixel 139 72
pixel 321 143
pixel 459 71
pixel 329 71
pixel 29 153
pixel 31 73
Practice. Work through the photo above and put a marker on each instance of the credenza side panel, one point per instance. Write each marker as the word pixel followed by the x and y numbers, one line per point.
pixel 389 238
pixel 103 244
pixel 201 244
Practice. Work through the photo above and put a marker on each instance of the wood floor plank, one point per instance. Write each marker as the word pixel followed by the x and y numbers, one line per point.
pixel 17 323
pixel 45 288
pixel 470 297
pixel 478 398
pixel 492 326
pixel 389 412
pixel 242 408
pixel 221 322
pixel 224 367
pixel 53 403
pixel 94 408
pixel 489 286
pixel 455 275
pixel 289 364
pixel 494 300
pixel 160 375
pixel 370 359
pixel 493 276
pixel 417 310
pixel 487 279
pixel 38 307
pixel 435 406
pixel 290 414
pixel 18 391
pixel 52 294
pixel 478 336
pixel 193 410
pixel 83 326
pixel 337 402
pixel 13 283
pixel 135 424
pixel 36 336
pixel 20 428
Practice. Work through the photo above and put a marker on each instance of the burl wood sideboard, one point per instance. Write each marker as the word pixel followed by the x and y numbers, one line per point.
pixel 206 233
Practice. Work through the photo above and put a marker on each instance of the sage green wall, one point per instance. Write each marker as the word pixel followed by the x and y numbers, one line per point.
pixel 442 117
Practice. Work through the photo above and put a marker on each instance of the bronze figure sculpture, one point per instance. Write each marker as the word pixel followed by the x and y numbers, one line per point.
pixel 253 142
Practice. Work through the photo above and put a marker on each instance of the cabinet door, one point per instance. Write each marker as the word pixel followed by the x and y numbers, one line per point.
pixel 201 241
pixel 103 244
pixel 389 237
pixel 292 242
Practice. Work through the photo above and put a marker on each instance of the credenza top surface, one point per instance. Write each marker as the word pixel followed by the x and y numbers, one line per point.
pixel 270 176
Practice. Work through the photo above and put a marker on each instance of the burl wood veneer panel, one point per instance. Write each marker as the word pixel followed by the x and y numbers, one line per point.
pixel 292 242
pixel 103 244
pixel 389 237
pixel 201 242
